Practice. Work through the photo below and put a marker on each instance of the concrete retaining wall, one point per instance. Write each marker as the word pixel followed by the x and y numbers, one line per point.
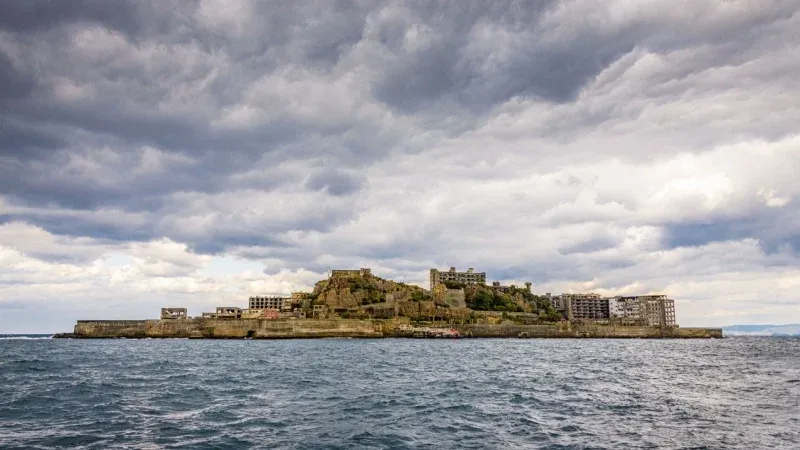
pixel 565 330
pixel 320 328
pixel 111 328
pixel 227 329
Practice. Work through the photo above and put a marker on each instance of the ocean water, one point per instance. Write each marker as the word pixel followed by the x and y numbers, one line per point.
pixel 394 393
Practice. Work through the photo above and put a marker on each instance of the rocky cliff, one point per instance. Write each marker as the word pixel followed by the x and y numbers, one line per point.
pixel 347 293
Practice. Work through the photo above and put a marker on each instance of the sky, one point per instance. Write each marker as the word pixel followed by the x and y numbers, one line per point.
pixel 194 153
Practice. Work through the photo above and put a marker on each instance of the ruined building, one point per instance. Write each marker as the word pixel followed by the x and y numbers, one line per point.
pixel 468 277
pixel 640 310
pixel 360 273
pixel 496 286
pixel 225 312
pixel 173 313
pixel 648 310
pixel 269 302
pixel 584 306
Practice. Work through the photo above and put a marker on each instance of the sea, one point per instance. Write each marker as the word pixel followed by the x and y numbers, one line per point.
pixel 733 393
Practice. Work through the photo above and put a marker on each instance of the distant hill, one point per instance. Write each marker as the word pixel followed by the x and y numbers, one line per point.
pixel 762 330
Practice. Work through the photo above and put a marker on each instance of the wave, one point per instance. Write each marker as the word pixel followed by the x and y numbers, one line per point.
pixel 25 336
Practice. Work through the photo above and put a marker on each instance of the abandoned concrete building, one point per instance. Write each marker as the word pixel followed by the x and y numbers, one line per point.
pixel 647 310
pixel 641 310
pixel 362 272
pixel 496 286
pixel 174 313
pixel 225 312
pixel 584 306
pixel 270 302
pixel 468 277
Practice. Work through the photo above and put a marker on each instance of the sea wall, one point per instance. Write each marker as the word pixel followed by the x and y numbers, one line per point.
pixel 322 328
pixel 111 328
pixel 566 330
pixel 227 328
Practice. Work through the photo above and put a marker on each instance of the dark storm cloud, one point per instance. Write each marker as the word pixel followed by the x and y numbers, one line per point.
pixel 21 141
pixel 772 227
pixel 449 63
pixel 334 182
pixel 218 242
pixel 34 15
pixel 590 245
pixel 447 70
pixel 78 225
pixel 13 84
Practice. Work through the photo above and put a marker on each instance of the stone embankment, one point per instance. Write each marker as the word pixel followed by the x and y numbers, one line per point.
pixel 327 328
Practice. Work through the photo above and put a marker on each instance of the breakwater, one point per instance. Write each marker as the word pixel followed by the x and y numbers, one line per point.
pixel 206 328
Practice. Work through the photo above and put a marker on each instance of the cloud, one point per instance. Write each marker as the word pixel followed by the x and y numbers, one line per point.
pixel 201 151
pixel 334 182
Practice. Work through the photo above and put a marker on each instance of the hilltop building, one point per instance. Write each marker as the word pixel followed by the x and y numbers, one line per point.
pixel 468 277
pixel 360 273
pixel 496 286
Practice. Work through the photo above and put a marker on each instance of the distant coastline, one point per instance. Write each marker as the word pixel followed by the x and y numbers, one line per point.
pixel 792 329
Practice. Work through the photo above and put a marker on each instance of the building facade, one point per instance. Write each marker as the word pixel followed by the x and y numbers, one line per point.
pixel 584 306
pixel 647 310
pixel 496 286
pixel 360 273
pixel 224 312
pixel 174 313
pixel 270 302
pixel 468 277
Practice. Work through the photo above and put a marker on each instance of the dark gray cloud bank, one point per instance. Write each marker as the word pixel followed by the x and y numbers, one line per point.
pixel 581 145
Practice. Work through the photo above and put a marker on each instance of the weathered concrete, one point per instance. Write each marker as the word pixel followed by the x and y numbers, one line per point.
pixel 566 330
pixel 112 328
pixel 322 328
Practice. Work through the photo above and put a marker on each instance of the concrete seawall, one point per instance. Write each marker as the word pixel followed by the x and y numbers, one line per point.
pixel 565 330
pixel 326 328
pixel 226 329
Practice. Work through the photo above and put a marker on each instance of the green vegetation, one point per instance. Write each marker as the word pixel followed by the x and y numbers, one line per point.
pixel 486 300
pixel 551 315
pixel 453 284
pixel 515 299
pixel 419 304
pixel 418 295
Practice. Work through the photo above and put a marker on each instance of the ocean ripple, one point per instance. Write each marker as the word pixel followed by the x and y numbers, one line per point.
pixel 393 393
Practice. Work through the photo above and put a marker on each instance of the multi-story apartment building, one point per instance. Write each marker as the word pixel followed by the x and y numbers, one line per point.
pixel 468 277
pixel 649 310
pixel 269 302
pixel 584 306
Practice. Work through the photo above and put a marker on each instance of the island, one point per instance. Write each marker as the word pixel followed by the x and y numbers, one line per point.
pixel 358 304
